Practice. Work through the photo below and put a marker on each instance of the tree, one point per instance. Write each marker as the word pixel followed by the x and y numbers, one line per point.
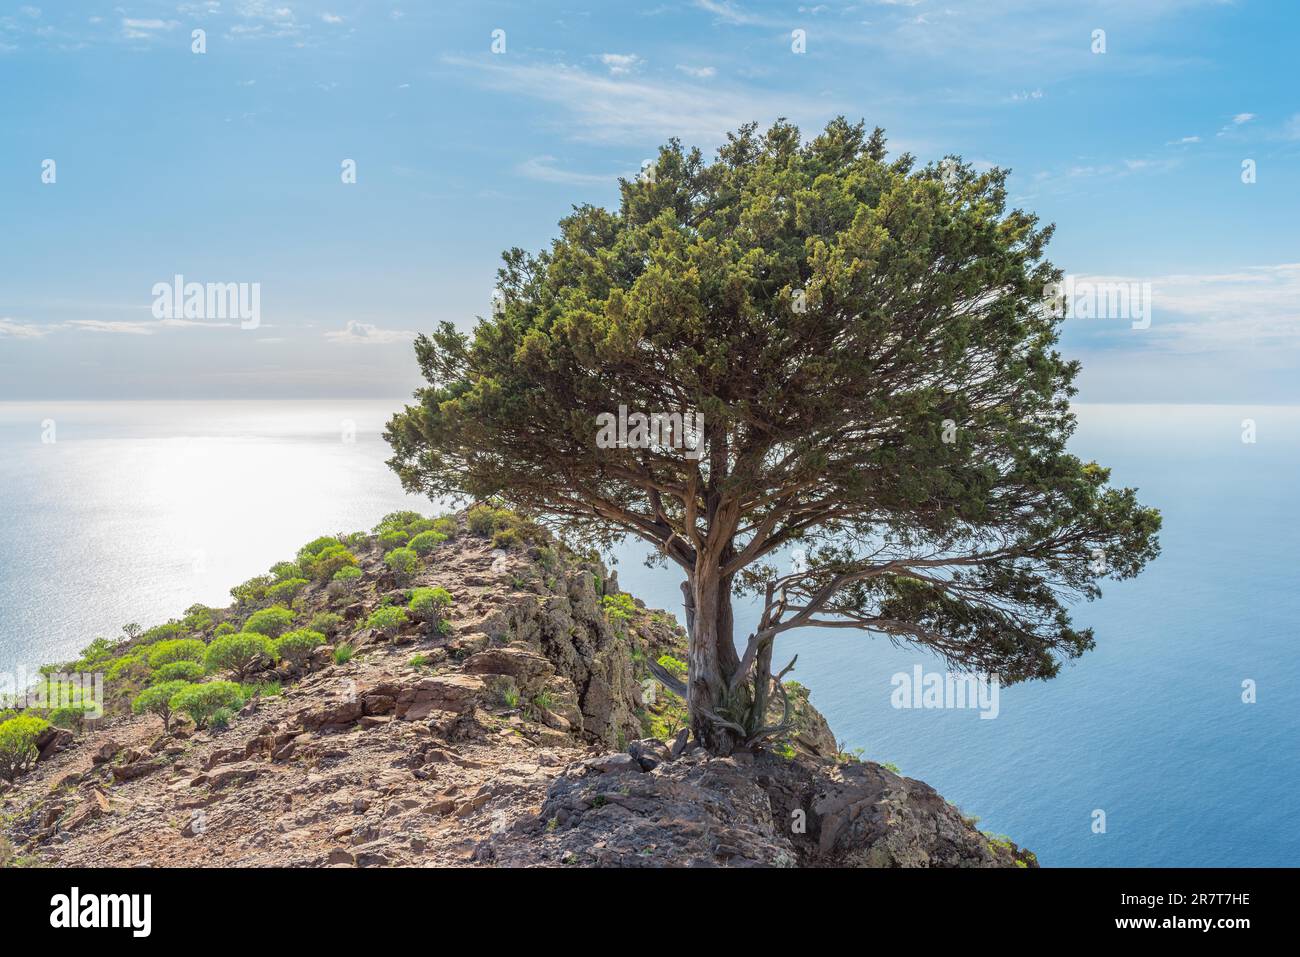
pixel 18 737
pixel 867 344
pixel 202 701
pixel 157 700
pixel 239 653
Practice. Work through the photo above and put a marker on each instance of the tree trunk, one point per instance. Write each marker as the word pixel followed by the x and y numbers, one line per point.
pixel 713 658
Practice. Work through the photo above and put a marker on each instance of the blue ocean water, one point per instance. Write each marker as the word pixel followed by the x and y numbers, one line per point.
pixel 138 510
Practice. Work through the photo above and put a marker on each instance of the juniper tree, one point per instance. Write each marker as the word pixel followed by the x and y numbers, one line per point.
pixel 866 341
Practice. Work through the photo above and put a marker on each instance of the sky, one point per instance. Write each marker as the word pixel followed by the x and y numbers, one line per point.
pixel 1161 137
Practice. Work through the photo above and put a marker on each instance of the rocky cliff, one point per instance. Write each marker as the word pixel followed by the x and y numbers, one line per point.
pixel 521 731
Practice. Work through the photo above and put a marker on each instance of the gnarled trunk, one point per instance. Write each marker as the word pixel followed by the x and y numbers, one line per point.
pixel 713 658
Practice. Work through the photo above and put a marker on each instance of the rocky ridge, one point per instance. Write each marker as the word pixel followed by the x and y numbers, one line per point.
pixel 518 736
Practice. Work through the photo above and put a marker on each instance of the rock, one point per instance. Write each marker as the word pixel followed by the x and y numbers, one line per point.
pixel 106 751
pixel 529 669
pixel 613 763
pixel 456 693
pixel 51 741
pixel 136 769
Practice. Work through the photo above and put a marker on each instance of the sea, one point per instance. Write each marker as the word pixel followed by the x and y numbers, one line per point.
pixel 1176 742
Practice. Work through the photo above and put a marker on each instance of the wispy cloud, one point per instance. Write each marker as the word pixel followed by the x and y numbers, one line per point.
pixel 544 170
pixel 633 110
pixel 365 333
pixel 621 63
pixel 15 329
pixel 144 29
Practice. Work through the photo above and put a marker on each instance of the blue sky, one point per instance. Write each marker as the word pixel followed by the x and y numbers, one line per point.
pixel 225 167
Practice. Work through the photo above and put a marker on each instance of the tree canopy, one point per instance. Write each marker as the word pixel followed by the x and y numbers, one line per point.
pixel 879 385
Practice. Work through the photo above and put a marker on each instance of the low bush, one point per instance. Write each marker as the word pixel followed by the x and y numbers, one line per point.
pixel 426 542
pixel 238 654
pixel 287 590
pixel 272 622
pixel 296 647
pixel 18 737
pixel 225 628
pixel 326 563
pixel 202 701
pixel 387 621
pixel 327 623
pixel 403 563
pixel 428 604
pixel 176 649
pixel 284 571
pixel 343 654
pixel 393 538
pixel 177 671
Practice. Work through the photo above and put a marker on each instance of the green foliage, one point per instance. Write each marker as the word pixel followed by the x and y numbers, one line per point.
pixel 326 622
pixel 162 633
pixel 674 666
pixel 865 341
pixel 393 538
pixel 429 604
pixel 202 701
pixel 284 571
pixel 271 622
pixel 252 592
pixel 425 542
pixel 397 520
pixel 297 646
pixel 446 525
pixel 157 699
pixel 177 671
pixel 131 667
pixel 387 621
pixel 418 661
pixel 343 653
pixel 220 719
pixel 403 563
pixel 197 618
pixel 225 628
pixel 348 574
pixel 18 736
pixel 328 562
pixel 619 607
pixel 239 653
pixel 287 590
pixel 97 650
pixel 176 649
pixel 507 538
pixel 486 520
pixel 314 548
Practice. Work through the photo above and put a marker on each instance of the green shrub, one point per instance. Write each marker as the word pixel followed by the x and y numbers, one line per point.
pixel 327 623
pixel 162 633
pixel 673 665
pixel 296 647
pixel 343 654
pixel 314 548
pixel 202 701
pixel 176 649
pixel 619 607
pixel 484 519
pixel 70 718
pixel 225 628
pixel 393 538
pixel 177 671
pixel 131 667
pixel 446 525
pixel 428 604
pixel 96 651
pixel 287 590
pixel 284 571
pixel 158 700
pixel 259 689
pixel 272 622
pixel 506 538
pixel 239 653
pixel 197 618
pixel 326 563
pixel 426 542
pixel 387 621
pixel 18 737
pixel 403 563
pixel 397 520
pixel 221 719
pixel 252 591
pixel 349 574
pixel 418 661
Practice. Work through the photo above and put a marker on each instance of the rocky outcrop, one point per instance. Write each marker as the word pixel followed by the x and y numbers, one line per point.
pixel 747 810
pixel 513 735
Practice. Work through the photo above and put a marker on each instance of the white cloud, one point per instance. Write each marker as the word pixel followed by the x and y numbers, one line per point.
pixel 331 18
pixel 543 169
pixel 141 29
pixel 699 72
pixel 1241 118
pixel 1244 309
pixel 621 63
pixel 629 110
pixel 1024 95
pixel 14 329
pixel 366 333
pixel 118 328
